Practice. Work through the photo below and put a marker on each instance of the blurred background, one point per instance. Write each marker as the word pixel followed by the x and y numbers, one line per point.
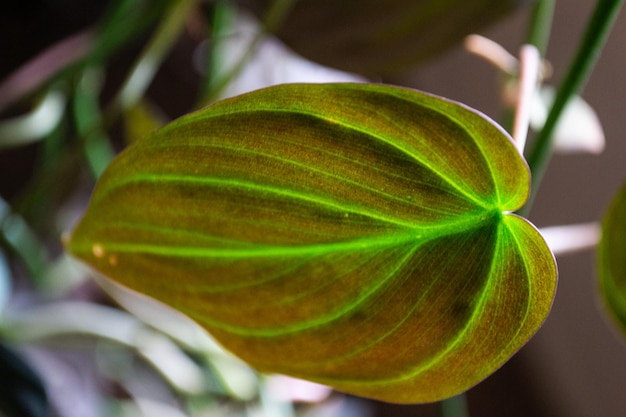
pixel 80 80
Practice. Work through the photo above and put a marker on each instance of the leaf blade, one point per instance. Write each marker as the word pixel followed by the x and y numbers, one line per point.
pixel 331 223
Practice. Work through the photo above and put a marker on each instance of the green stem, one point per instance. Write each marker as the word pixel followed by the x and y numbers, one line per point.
pixel 145 67
pixel 88 121
pixel 17 235
pixel 593 40
pixel 541 25
pixel 275 15
pixel 98 149
pixel 222 21
pixel 455 407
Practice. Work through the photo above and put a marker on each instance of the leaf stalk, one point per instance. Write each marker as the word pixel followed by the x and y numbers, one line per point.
pixel 593 40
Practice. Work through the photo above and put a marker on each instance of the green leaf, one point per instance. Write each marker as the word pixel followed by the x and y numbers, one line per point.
pixel 374 37
pixel 612 259
pixel 141 119
pixel 360 236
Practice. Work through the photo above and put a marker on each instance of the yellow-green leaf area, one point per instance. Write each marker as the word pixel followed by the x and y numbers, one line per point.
pixel 612 259
pixel 355 235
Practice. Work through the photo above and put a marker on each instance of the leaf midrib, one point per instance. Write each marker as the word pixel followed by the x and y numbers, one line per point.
pixel 412 235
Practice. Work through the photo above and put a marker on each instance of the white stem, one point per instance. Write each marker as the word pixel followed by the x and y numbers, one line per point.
pixel 492 52
pixel 530 68
pixel 571 238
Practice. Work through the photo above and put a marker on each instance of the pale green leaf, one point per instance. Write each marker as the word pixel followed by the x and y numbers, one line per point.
pixel 612 259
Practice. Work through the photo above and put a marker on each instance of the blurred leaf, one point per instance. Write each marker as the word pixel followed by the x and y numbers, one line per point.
pixel 61 276
pixel 17 235
pixel 269 63
pixel 72 317
pixel 162 41
pixel 455 407
pixel 373 37
pixel 234 376
pixel 22 393
pixel 125 21
pixel 287 389
pixel 223 21
pixel 142 407
pixel 5 282
pixel 355 235
pixel 34 126
pixel 612 259
pixel 88 319
pixel 88 119
pixel 579 128
pixel 44 67
pixel 163 318
pixel 140 120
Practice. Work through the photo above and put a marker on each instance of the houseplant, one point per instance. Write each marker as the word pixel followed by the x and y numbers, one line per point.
pixel 84 97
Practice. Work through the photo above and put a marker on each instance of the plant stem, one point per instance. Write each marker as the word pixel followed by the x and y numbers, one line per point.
pixel 17 235
pixel 274 16
pixel 98 149
pixel 223 20
pixel 145 67
pixel 529 70
pixel 541 25
pixel 455 407
pixel 593 40
pixel 89 123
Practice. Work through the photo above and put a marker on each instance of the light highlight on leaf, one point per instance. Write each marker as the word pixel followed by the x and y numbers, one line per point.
pixel 358 236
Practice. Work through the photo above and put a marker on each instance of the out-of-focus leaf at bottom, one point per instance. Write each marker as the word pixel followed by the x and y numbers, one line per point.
pixel 359 236
pixel 22 393
pixel 612 259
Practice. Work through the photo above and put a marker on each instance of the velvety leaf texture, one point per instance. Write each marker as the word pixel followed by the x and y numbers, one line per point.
pixel 612 259
pixel 355 235
pixel 374 37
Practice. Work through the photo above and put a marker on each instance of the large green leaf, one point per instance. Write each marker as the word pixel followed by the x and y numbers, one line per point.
pixel 375 37
pixel 612 259
pixel 355 235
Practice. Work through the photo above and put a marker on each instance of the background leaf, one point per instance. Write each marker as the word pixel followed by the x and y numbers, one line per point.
pixel 355 235
pixel 22 394
pixel 372 37
pixel 612 259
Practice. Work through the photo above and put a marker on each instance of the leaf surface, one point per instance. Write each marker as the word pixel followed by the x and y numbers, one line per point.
pixel 612 259
pixel 355 235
